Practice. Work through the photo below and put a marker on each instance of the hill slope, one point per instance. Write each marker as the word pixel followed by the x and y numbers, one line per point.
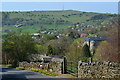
pixel 36 21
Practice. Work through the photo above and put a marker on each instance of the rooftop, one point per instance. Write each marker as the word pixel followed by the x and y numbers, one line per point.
pixel 95 38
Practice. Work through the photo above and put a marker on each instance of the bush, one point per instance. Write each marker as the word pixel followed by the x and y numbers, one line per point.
pixel 84 59
pixel 86 51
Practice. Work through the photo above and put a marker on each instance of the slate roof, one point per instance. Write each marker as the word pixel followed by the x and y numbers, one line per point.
pixel 38 57
pixel 57 60
pixel 95 38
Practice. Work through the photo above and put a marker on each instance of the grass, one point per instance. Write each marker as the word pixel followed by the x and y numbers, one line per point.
pixel 5 66
pixel 34 29
pixel 40 71
pixel 70 16
pixel 20 68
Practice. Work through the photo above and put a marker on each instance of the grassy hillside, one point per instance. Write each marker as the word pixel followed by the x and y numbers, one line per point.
pixel 36 21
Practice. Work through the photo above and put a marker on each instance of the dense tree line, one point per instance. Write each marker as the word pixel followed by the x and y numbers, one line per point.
pixel 17 47
pixel 109 50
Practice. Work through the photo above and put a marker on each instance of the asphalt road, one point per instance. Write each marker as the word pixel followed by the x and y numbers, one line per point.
pixel 15 74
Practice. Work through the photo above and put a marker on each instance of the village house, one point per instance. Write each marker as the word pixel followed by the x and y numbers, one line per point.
pixel 20 25
pixel 93 42
pixel 83 35
pixel 34 35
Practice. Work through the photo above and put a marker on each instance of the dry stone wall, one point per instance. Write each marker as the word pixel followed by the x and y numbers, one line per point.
pixel 50 66
pixel 98 70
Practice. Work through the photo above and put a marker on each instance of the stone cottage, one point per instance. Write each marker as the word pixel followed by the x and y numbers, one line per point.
pixel 93 42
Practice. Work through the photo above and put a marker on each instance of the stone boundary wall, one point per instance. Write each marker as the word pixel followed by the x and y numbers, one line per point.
pixel 50 66
pixel 98 70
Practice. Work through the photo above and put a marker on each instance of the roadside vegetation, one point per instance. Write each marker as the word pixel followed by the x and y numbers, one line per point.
pixel 40 71
pixel 5 66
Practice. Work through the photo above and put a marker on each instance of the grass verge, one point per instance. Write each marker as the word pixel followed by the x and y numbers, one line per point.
pixel 20 68
pixel 6 66
pixel 40 71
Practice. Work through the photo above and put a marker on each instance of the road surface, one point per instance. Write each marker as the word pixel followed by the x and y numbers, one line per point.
pixel 11 73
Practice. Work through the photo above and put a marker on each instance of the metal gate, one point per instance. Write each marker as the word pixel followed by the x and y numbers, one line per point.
pixel 72 68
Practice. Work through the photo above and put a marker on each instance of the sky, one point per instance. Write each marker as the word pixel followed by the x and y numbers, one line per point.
pixel 100 7
pixel 60 0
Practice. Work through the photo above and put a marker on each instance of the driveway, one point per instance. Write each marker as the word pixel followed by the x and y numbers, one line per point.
pixel 11 73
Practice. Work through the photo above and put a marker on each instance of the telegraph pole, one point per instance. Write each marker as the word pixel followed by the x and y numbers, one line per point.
pixel 63 7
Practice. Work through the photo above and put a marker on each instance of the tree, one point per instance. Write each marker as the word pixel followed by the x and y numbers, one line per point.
pixel 101 51
pixel 109 50
pixel 18 47
pixel 78 51
pixel 59 46
pixel 74 52
pixel 50 50
pixel 49 37
pixel 46 38
pixel 73 34
pixel 106 52
pixel 39 48
pixel 86 51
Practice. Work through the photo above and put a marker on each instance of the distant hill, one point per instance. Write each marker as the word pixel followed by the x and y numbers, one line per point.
pixel 36 21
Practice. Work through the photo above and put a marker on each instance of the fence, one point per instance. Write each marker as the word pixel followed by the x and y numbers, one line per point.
pixel 72 68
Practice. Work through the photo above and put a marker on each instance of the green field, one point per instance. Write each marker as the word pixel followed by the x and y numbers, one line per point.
pixel 36 21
